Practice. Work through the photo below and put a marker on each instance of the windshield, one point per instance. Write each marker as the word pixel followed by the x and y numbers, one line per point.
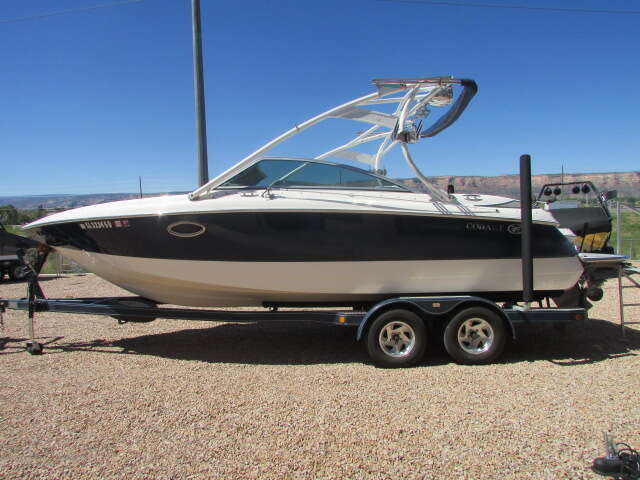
pixel 281 173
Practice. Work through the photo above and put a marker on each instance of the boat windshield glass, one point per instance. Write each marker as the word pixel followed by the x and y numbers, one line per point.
pixel 276 173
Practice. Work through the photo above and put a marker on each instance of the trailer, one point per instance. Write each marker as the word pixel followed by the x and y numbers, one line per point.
pixel 396 331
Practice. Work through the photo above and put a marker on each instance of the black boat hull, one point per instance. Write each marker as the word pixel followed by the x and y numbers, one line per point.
pixel 257 258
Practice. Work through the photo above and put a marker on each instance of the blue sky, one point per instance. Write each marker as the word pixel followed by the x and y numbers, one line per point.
pixel 91 100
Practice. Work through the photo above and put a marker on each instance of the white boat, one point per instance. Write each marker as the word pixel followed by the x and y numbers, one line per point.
pixel 298 231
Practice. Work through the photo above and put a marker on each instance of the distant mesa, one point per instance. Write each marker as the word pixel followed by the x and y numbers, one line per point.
pixel 626 183
pixel 66 201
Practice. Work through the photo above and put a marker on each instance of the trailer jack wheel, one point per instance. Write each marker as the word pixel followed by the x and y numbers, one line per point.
pixel 34 348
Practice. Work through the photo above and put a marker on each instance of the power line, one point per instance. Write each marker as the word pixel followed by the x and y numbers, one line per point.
pixel 513 7
pixel 70 10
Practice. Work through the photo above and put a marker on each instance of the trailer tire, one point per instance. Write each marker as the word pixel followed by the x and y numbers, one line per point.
pixel 1 275
pixel 397 338
pixel 474 336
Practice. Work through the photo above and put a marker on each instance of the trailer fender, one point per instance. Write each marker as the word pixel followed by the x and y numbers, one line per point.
pixel 430 306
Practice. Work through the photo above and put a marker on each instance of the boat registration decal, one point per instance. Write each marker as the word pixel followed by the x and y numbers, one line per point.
pixel 104 224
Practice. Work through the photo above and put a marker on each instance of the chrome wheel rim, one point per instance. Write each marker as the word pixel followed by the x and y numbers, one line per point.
pixel 397 339
pixel 475 336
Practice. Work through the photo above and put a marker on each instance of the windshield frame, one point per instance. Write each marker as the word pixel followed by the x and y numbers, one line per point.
pixel 304 163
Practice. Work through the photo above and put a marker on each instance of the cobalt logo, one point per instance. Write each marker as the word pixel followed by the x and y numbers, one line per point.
pixel 514 229
pixel 482 227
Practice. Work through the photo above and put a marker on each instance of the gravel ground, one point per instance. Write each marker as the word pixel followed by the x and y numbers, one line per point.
pixel 178 399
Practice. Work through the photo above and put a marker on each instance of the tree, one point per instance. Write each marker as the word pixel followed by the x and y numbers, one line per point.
pixel 9 215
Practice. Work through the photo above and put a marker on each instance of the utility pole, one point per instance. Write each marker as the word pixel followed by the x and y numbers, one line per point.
pixel 140 185
pixel 201 122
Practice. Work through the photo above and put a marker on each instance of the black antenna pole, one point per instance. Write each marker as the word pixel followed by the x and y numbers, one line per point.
pixel 201 122
pixel 525 222
pixel 140 185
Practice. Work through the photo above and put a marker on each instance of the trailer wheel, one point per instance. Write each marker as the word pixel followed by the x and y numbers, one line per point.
pixel 18 272
pixel 475 335
pixel 1 274
pixel 396 338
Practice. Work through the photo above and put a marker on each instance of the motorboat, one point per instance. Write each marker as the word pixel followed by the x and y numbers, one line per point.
pixel 274 231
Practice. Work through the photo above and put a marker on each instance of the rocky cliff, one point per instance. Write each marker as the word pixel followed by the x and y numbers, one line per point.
pixel 626 183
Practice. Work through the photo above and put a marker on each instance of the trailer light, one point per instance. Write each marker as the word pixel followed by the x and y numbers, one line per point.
pixel 579 316
pixel 342 319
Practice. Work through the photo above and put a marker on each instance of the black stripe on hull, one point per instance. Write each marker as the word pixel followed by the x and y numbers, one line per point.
pixel 308 237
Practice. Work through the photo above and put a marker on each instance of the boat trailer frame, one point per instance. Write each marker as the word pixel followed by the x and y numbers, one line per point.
pixel 437 309
pixel 459 316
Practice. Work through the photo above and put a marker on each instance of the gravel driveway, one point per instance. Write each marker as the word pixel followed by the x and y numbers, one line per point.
pixel 178 399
